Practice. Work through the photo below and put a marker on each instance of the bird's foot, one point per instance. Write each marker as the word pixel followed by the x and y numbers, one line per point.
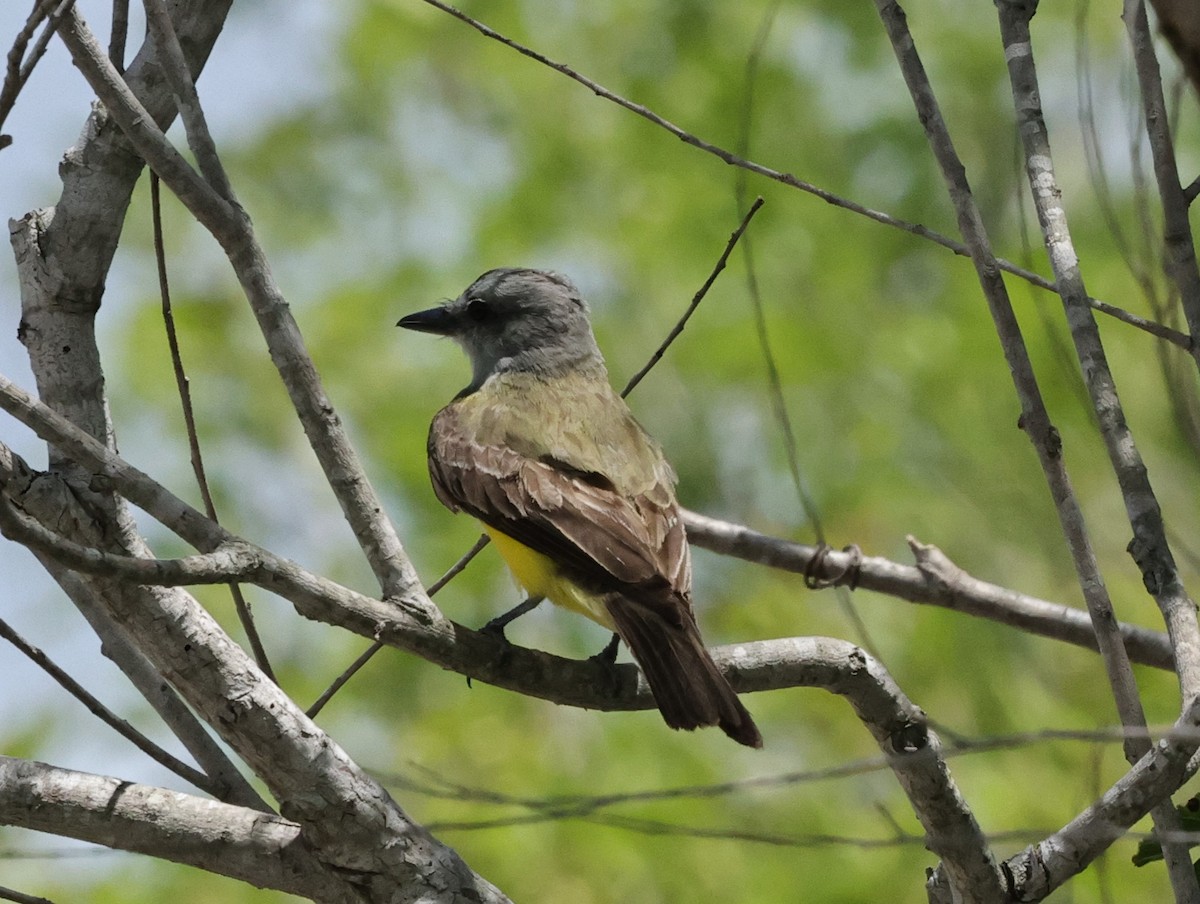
pixel 608 659
pixel 495 628
pixel 497 625
pixel 608 656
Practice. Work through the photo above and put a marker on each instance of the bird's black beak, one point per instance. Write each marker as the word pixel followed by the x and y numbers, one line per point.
pixel 438 321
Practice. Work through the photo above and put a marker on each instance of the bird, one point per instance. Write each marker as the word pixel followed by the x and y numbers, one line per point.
pixel 577 497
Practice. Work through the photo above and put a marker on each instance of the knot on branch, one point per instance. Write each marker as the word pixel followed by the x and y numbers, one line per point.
pixel 911 737
pixel 1044 436
pixel 1153 561
pixel 1025 8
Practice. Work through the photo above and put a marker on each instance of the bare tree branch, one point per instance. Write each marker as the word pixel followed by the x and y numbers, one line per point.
pixel 182 386
pixel 934 581
pixel 345 813
pixel 915 756
pixel 1177 234
pixel 9 894
pixel 20 66
pixel 222 565
pixel 226 783
pixel 1034 418
pixel 183 87
pixel 46 497
pixel 259 848
pixel 63 255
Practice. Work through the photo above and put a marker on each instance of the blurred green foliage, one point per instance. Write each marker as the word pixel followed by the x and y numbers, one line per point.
pixel 436 154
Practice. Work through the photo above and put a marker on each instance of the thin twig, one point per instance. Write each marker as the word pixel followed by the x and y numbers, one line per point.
pixel 792 181
pixel 1192 190
pixel 9 894
pixel 183 387
pixel 19 66
pixel 118 34
pixel 436 785
pixel 365 656
pixel 190 111
pixel 696 299
pixel 774 381
pixel 1177 233
pixel 103 713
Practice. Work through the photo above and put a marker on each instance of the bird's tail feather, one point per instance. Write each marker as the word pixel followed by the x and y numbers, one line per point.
pixel 688 688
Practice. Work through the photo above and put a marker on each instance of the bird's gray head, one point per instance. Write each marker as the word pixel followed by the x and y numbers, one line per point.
pixel 516 320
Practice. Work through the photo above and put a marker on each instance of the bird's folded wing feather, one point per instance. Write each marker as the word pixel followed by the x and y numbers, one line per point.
pixel 634 544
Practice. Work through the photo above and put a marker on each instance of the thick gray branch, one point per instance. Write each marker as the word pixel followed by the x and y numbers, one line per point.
pixel 262 849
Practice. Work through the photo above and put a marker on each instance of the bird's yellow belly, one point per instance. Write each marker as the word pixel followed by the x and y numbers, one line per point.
pixel 540 576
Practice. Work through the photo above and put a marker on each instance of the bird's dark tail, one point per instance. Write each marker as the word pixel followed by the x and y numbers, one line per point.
pixel 688 687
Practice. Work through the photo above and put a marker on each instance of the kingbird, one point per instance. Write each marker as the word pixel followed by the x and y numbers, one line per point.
pixel 576 496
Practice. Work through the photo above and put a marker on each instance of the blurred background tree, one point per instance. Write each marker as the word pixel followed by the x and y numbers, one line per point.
pixel 420 154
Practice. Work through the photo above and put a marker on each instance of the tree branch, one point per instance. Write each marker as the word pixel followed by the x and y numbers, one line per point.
pixel 229 562
pixel 1177 234
pixel 47 497
pixel 696 299
pixel 345 813
pixel 179 75
pixel 1034 417
pixel 417 625
pixel 63 255
pixel 263 849
pixel 934 581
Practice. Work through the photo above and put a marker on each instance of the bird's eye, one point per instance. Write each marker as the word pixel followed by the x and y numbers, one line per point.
pixel 477 309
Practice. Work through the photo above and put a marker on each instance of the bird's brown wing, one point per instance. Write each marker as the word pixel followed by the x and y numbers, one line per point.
pixel 628 547
pixel 610 542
